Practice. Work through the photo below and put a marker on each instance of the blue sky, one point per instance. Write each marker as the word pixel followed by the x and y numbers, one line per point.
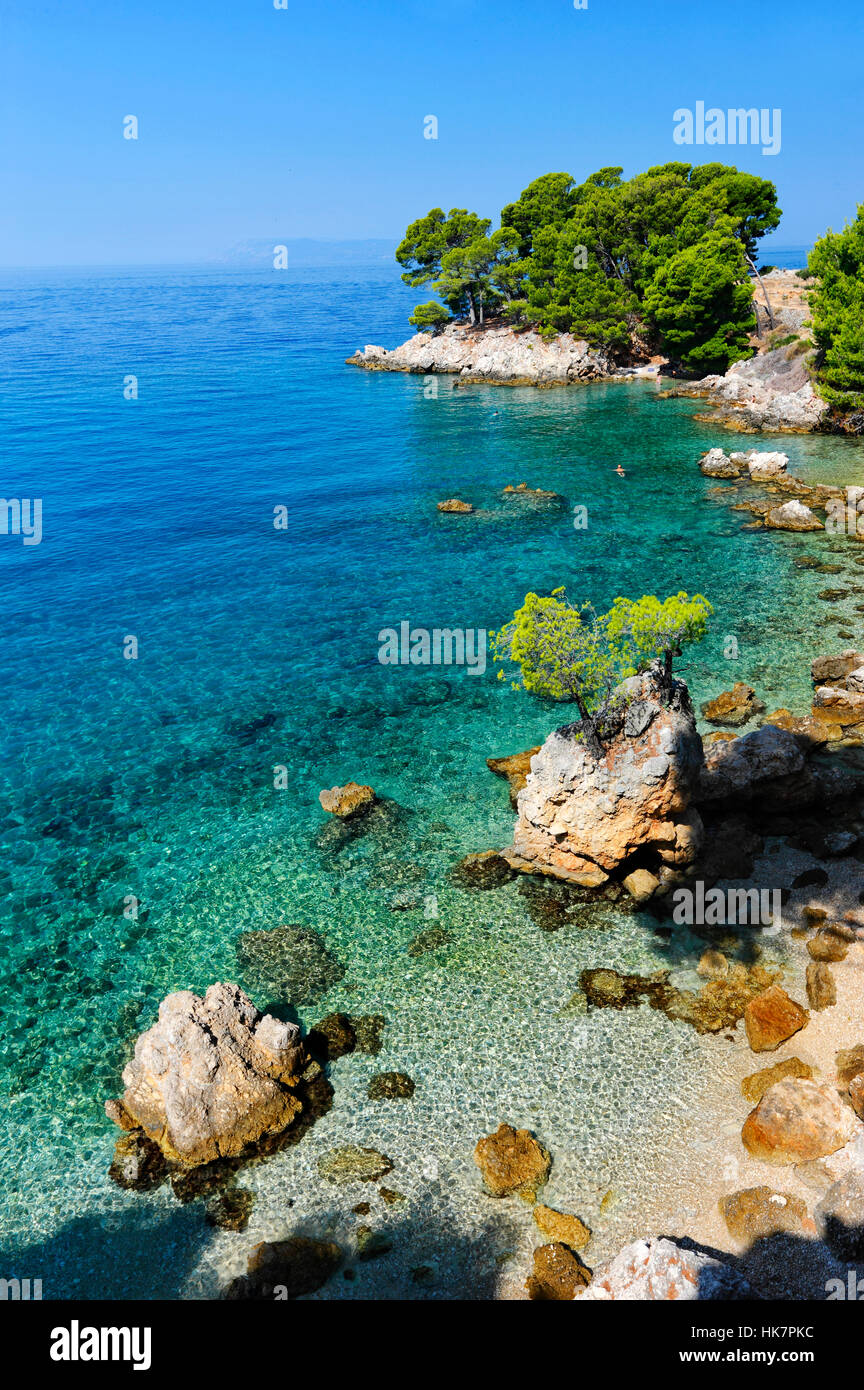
pixel 308 121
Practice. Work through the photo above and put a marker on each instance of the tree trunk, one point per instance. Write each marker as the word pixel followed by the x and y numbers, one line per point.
pixel 589 731
pixel 752 266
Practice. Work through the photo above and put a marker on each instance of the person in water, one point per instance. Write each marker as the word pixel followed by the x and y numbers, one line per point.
pixel 620 471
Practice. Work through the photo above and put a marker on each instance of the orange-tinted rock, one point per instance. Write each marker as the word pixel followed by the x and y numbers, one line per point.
pixel 515 768
pixel 511 1160
pixel 733 707
pixel 849 1064
pixel 827 945
pixel 772 1018
pixel 796 1121
pixel 754 1087
pixel 561 1227
pixel 757 1212
pixel 455 504
pixel 346 801
pixel 557 1274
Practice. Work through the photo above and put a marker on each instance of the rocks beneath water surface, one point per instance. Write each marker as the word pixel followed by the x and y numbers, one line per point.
pixel 351 1163
pixel 512 1161
pixel 288 964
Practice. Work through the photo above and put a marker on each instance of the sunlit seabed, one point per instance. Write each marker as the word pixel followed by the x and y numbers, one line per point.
pixel 257 650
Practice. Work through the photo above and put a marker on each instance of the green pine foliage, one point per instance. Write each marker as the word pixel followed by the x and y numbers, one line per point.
pixel 837 310
pixel 663 256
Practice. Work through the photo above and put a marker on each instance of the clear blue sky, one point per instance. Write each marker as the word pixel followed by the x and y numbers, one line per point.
pixel 257 122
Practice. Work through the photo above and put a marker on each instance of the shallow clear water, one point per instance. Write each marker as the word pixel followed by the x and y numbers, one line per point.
pixel 257 649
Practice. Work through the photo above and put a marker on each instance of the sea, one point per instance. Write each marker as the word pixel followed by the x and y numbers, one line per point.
pixel 230 518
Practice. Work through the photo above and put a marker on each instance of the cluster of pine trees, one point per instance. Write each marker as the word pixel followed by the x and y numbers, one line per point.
pixel 837 313
pixel 662 258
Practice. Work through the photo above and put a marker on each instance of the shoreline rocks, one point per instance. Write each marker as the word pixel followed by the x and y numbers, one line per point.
pixel 497 354
pixel 796 1121
pixel 769 392
pixel 733 707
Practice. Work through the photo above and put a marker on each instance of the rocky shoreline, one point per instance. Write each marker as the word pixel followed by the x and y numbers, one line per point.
pixel 497 355
pixel 216 1085
pixel 771 392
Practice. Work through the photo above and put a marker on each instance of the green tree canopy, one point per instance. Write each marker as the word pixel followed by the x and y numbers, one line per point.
pixel 837 310
pixel 650 628
pixel 701 303
pixel 427 241
pixel 547 202
pixel 607 259
pixel 566 651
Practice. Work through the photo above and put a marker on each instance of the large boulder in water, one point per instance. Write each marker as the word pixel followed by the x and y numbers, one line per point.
pixel 211 1077
pixel 581 816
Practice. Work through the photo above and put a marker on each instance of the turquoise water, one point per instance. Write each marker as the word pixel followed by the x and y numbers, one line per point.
pixel 153 778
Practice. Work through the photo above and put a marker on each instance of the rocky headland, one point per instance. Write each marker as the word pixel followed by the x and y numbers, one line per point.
pixel 493 354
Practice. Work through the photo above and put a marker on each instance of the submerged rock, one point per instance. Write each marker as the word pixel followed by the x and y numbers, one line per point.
pixel 488 869
pixel 429 939
pixel 332 1038
pixel 213 1076
pixel 796 1121
pixel 390 1085
pixel 561 1227
pixel 345 802
pixel 139 1163
pixel 286 1269
pixel 512 1161
pixel 659 1269
pixel 757 1212
pixel 717 1005
pixel 557 1274
pixel 290 964
pixel 230 1210
pixel 352 1164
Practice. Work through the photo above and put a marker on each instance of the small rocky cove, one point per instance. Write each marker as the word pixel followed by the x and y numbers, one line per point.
pixel 217 1087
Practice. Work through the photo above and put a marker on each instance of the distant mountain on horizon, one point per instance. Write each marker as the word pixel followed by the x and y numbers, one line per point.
pixel 259 251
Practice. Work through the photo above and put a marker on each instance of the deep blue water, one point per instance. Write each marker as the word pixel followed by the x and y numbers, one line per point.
pixel 153 778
